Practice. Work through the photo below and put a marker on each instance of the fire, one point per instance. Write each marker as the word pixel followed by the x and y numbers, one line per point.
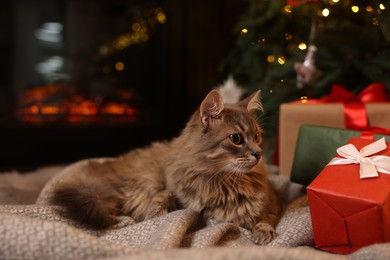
pixel 53 104
pixel 114 109
pixel 85 108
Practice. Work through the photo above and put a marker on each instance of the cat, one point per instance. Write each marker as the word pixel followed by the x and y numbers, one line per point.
pixel 214 167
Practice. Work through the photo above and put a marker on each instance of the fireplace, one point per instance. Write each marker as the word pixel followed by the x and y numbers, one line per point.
pixel 86 62
pixel 81 79
pixel 94 78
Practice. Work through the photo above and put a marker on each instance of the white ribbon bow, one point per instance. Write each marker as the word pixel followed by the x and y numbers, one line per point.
pixel 369 165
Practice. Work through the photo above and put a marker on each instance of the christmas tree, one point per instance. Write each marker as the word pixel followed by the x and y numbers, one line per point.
pixel 293 49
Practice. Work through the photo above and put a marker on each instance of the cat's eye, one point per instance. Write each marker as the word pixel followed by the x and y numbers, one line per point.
pixel 257 138
pixel 236 139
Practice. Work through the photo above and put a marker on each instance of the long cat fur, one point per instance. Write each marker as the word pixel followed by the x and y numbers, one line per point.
pixel 201 169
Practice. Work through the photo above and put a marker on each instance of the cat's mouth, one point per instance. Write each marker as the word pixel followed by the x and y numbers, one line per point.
pixel 245 164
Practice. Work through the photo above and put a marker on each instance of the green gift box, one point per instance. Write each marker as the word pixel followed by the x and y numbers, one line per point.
pixel 316 146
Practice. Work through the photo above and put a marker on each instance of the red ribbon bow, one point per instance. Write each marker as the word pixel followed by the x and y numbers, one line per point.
pixel 355 113
pixel 376 92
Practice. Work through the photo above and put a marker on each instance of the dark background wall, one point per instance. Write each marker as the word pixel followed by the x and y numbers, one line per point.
pixel 202 35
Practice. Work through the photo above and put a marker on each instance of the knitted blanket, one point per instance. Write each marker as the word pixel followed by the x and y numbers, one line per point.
pixel 37 231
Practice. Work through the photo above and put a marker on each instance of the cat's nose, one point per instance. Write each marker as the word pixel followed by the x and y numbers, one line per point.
pixel 257 154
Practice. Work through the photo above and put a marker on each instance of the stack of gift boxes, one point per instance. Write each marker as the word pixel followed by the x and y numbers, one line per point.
pixel 339 147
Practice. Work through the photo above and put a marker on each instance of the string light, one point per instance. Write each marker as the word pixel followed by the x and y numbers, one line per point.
pixel 270 58
pixel 382 6
pixel 369 8
pixel 119 66
pixel 244 31
pixel 304 99
pixel 325 12
pixel 288 36
pixel 355 8
pixel 281 60
pixel 161 18
pixel 302 46
pixel 287 9
pixel 140 32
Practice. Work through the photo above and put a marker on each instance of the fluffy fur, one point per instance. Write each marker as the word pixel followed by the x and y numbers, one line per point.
pixel 230 91
pixel 214 167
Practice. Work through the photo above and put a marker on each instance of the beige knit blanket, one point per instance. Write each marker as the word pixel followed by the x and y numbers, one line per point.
pixel 34 231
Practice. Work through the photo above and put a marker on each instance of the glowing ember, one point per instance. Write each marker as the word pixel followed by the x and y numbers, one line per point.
pixel 114 109
pixel 53 104
pixel 85 108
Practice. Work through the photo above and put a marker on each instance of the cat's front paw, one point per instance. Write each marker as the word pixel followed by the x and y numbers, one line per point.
pixel 263 233
pixel 162 203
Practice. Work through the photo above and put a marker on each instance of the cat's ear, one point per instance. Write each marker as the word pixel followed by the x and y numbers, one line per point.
pixel 252 102
pixel 211 107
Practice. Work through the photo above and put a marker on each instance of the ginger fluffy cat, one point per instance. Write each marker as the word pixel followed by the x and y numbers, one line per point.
pixel 214 166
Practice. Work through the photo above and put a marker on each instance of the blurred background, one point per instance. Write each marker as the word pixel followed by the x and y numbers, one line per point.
pixel 93 78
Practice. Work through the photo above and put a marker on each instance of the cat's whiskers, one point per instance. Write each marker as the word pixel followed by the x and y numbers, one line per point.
pixel 235 184
pixel 244 164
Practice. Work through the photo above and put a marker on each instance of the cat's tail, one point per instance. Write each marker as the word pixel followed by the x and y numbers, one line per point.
pixel 86 203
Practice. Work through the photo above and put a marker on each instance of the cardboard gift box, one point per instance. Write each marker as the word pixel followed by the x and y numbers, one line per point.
pixel 316 146
pixel 293 115
pixel 349 212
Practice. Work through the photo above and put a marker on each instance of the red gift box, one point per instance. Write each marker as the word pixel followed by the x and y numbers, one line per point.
pixel 366 111
pixel 349 212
